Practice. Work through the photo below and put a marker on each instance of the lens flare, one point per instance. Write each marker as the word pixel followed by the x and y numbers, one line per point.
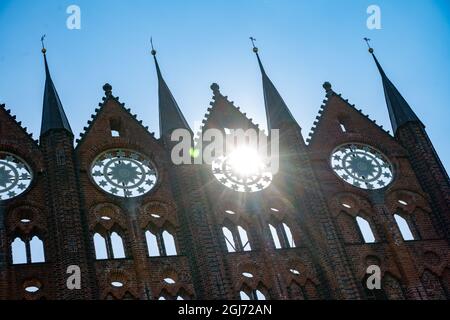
pixel 245 162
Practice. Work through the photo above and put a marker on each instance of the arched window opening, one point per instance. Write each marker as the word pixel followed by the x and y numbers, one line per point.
pixel 365 229
pixel 244 296
pixel 100 247
pixel 169 243
pixel 109 245
pixel 29 250
pixel 236 238
pixel 37 250
pixel 244 239
pixel 251 294
pixel 259 295
pixel 288 236
pixel 404 228
pixel 276 240
pixel 181 295
pixel 117 246
pixel 282 236
pixel 115 128
pixel 229 240
pixel 19 252
pixel 152 244
pixel 160 242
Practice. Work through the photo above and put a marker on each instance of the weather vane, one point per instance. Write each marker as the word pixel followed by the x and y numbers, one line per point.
pixel 255 49
pixel 42 42
pixel 153 49
pixel 253 41
pixel 367 40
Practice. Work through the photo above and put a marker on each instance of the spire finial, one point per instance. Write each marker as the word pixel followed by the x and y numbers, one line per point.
pixel 215 88
pixel 153 52
pixel 367 40
pixel 328 90
pixel 43 46
pixel 255 49
pixel 327 86
pixel 108 89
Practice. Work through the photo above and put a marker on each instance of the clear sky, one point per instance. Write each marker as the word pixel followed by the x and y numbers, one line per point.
pixel 302 44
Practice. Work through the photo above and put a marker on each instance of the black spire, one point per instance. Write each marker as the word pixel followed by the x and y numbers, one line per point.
pixel 399 110
pixel 170 115
pixel 53 115
pixel 277 111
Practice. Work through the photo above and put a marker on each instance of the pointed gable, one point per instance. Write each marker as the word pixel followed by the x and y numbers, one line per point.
pixel 112 125
pixel 340 122
pixel 11 130
pixel 224 114
pixel 53 115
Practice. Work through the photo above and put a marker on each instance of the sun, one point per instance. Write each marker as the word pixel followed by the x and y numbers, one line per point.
pixel 245 162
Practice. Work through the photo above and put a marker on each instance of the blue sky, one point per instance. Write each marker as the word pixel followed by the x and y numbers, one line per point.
pixel 302 44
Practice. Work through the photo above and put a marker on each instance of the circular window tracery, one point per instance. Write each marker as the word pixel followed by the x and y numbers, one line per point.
pixel 243 171
pixel 124 173
pixel 15 176
pixel 362 166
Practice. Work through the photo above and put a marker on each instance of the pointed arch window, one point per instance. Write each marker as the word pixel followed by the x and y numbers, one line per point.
pixel 282 235
pixel 152 244
pixel 236 238
pixel 117 246
pixel 243 237
pixel 19 251
pixel 37 250
pixel 116 127
pixel 28 250
pixel 100 247
pixel 160 242
pixel 180 295
pixel 343 123
pixel 229 239
pixel 251 294
pixel 365 230
pixel 109 245
pixel 404 228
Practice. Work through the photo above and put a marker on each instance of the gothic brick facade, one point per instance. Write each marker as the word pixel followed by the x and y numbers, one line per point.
pixel 192 237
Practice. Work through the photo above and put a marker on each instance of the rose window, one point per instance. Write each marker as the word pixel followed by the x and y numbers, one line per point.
pixel 362 166
pixel 124 173
pixel 15 176
pixel 243 171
